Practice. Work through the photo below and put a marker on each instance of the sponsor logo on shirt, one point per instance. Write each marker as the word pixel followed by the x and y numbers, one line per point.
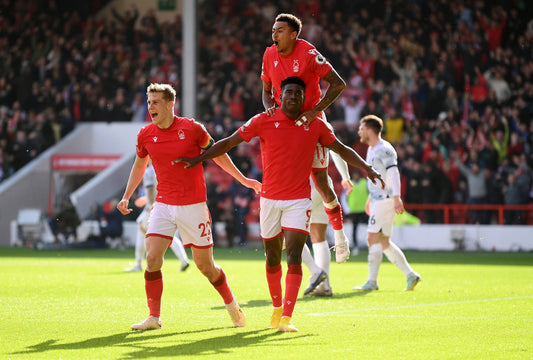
pixel 320 60
pixel 276 124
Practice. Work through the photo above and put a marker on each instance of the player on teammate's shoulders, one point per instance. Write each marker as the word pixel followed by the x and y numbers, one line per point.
pixel 291 56
pixel 383 204
pixel 287 153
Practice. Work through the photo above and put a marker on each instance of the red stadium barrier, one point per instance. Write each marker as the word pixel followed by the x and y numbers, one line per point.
pixel 458 213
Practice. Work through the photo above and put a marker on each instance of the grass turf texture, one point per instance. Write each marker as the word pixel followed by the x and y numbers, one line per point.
pixel 80 305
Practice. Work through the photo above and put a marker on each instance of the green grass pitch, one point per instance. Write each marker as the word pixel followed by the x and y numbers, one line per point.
pixel 80 305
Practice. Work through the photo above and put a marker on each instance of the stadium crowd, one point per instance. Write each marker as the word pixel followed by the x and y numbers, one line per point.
pixel 451 80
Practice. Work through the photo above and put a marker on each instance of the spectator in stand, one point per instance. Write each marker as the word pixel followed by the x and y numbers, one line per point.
pixel 477 90
pixel 516 192
pixel 498 85
pixel 493 27
pixel 477 189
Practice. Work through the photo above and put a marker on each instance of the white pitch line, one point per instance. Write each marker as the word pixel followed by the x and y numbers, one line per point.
pixel 420 305
pixel 445 317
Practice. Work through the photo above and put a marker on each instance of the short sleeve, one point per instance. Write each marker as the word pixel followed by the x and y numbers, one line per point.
pixel 251 128
pixel 141 150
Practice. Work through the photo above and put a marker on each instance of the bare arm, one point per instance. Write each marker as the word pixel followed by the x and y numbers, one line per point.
pixel 336 87
pixel 217 152
pixel 219 148
pixel 351 157
pixel 225 162
pixel 268 98
pixel 342 168
pixel 136 175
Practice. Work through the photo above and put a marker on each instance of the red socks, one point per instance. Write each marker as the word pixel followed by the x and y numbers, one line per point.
pixel 335 217
pixel 221 285
pixel 153 285
pixel 292 287
pixel 273 275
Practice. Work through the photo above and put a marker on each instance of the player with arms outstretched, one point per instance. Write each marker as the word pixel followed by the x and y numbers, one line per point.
pixel 287 153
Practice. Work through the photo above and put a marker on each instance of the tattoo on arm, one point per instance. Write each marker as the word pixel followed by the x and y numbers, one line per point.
pixel 336 86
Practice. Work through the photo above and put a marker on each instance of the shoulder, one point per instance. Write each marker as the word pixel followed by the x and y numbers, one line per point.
pixel 146 129
pixel 269 51
pixel 385 148
pixel 304 45
pixel 184 122
pixel 310 52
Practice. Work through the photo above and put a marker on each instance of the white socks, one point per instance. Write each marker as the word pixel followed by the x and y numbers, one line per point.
pixel 140 248
pixel 396 256
pixel 308 260
pixel 375 255
pixel 179 250
pixel 322 255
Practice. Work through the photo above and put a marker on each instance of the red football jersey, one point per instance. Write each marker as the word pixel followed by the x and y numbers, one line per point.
pixel 184 138
pixel 287 152
pixel 304 61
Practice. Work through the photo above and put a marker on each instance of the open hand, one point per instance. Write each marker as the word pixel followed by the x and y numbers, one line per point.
pixel 373 175
pixel 189 163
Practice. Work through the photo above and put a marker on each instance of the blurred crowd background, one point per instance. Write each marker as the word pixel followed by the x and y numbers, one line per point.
pixel 452 81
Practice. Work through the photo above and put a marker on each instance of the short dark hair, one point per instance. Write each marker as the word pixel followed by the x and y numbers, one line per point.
pixel 292 80
pixel 373 122
pixel 294 22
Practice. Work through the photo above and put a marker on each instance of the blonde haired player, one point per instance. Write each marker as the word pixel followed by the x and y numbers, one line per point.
pixel 180 202
pixel 382 206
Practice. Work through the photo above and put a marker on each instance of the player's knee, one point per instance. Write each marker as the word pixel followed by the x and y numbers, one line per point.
pixel 206 269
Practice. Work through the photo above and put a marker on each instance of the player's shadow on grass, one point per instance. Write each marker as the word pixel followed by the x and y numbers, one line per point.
pixel 223 344
pixel 268 302
pixel 139 343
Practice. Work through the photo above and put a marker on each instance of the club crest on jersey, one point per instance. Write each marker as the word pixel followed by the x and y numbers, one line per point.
pixel 181 134
pixel 296 65
pixel 154 138
pixel 276 124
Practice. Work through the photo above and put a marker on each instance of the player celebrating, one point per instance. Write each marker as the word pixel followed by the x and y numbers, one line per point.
pixel 287 152
pixel 146 201
pixel 383 205
pixel 291 56
pixel 180 201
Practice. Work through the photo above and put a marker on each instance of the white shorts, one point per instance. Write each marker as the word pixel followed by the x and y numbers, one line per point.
pixel 381 216
pixel 321 157
pixel 318 213
pixel 192 221
pixel 278 215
